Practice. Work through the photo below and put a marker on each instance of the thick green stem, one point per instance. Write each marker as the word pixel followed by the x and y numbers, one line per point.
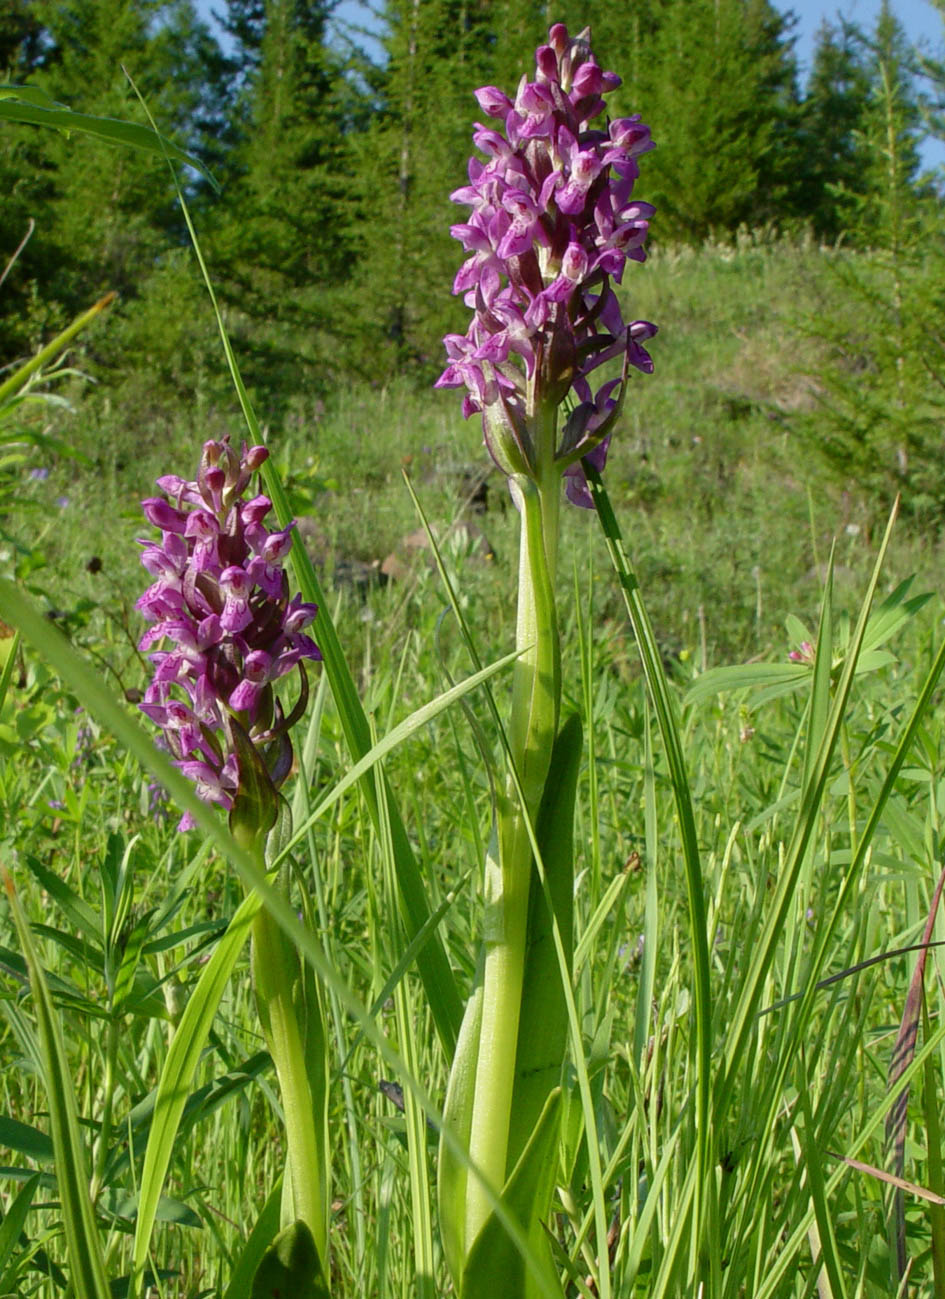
pixel 535 698
pixel 292 1020
pixel 277 977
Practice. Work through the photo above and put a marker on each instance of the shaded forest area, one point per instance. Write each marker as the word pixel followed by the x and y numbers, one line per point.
pixel 336 148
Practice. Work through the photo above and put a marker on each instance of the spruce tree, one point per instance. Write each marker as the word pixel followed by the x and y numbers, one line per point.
pixel 412 158
pixel 716 81
pixel 284 244
pixel 882 370
pixel 24 49
pixel 833 123
pixel 23 44
pixel 105 217
pixel 890 137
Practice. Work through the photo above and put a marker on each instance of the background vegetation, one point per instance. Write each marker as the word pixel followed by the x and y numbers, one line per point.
pixel 797 272
pixel 336 148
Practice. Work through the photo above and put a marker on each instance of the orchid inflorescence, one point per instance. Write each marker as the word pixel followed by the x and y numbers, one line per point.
pixel 552 226
pixel 221 599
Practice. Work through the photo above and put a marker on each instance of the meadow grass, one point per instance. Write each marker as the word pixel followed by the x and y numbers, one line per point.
pixel 728 536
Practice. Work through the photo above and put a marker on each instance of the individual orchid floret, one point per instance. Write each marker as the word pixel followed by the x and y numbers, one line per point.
pixel 552 228
pixel 221 606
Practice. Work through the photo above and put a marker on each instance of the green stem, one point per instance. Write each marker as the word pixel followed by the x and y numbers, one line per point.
pixel 292 1019
pixel 277 977
pixel 535 699
pixel 108 1102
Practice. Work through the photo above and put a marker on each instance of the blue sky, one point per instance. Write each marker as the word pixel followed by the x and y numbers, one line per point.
pixel 919 17
pixel 921 20
pixel 923 23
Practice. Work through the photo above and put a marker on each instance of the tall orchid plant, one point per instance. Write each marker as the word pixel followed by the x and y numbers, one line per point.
pixel 552 227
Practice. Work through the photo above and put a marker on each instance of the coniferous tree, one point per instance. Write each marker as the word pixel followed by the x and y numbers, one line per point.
pixel 105 217
pixel 716 81
pixel 284 243
pixel 23 43
pixel 411 159
pixel 833 123
pixel 245 22
pixel 24 48
pixel 882 370
pixel 890 137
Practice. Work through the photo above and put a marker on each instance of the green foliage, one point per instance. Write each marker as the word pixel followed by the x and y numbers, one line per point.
pixel 86 1257
pixel 646 1154
pixel 290 1267
pixel 408 162
pixel 715 80
pixel 337 160
pixel 103 217
pixel 283 244
pixel 834 125
pixel 707 1149
pixel 882 365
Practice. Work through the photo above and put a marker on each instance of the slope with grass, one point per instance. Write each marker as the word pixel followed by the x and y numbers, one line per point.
pixel 729 534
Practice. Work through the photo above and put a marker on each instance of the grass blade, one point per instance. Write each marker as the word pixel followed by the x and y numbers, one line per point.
pixel 420 717
pixel 644 1010
pixel 12 1225
pixel 30 105
pixel 748 1004
pixel 818 1197
pixel 669 733
pixel 177 1076
pixel 83 1243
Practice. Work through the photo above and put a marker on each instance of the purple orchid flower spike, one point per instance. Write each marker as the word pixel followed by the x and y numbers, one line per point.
pixel 221 607
pixel 552 227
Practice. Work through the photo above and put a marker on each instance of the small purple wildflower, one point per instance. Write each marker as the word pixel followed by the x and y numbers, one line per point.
pixel 221 601
pixel 552 226
pixel 39 475
pixel 84 746
pixel 803 654
pixel 62 502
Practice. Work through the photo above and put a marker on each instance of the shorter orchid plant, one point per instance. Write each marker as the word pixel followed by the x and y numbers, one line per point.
pixel 221 601
pixel 221 598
